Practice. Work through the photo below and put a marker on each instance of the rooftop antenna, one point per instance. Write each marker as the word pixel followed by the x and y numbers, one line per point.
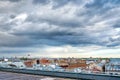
pixel 28 55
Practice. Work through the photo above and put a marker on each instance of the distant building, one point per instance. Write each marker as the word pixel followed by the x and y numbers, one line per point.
pixel 30 63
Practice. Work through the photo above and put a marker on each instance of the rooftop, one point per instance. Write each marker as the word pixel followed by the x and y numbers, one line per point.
pixel 17 76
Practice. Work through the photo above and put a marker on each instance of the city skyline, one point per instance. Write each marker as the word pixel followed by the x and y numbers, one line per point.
pixel 60 28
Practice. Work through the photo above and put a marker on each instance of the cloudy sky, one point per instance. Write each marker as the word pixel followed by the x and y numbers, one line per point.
pixel 60 28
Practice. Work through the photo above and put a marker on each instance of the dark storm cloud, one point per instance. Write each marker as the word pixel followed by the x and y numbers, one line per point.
pixel 12 16
pixel 102 6
pixel 15 51
pixel 102 3
pixel 116 25
pixel 59 3
pixel 40 1
pixel 73 40
pixel 59 22
pixel 12 0
pixel 66 23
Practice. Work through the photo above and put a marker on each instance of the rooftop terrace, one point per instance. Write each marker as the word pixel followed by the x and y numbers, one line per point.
pixel 17 76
